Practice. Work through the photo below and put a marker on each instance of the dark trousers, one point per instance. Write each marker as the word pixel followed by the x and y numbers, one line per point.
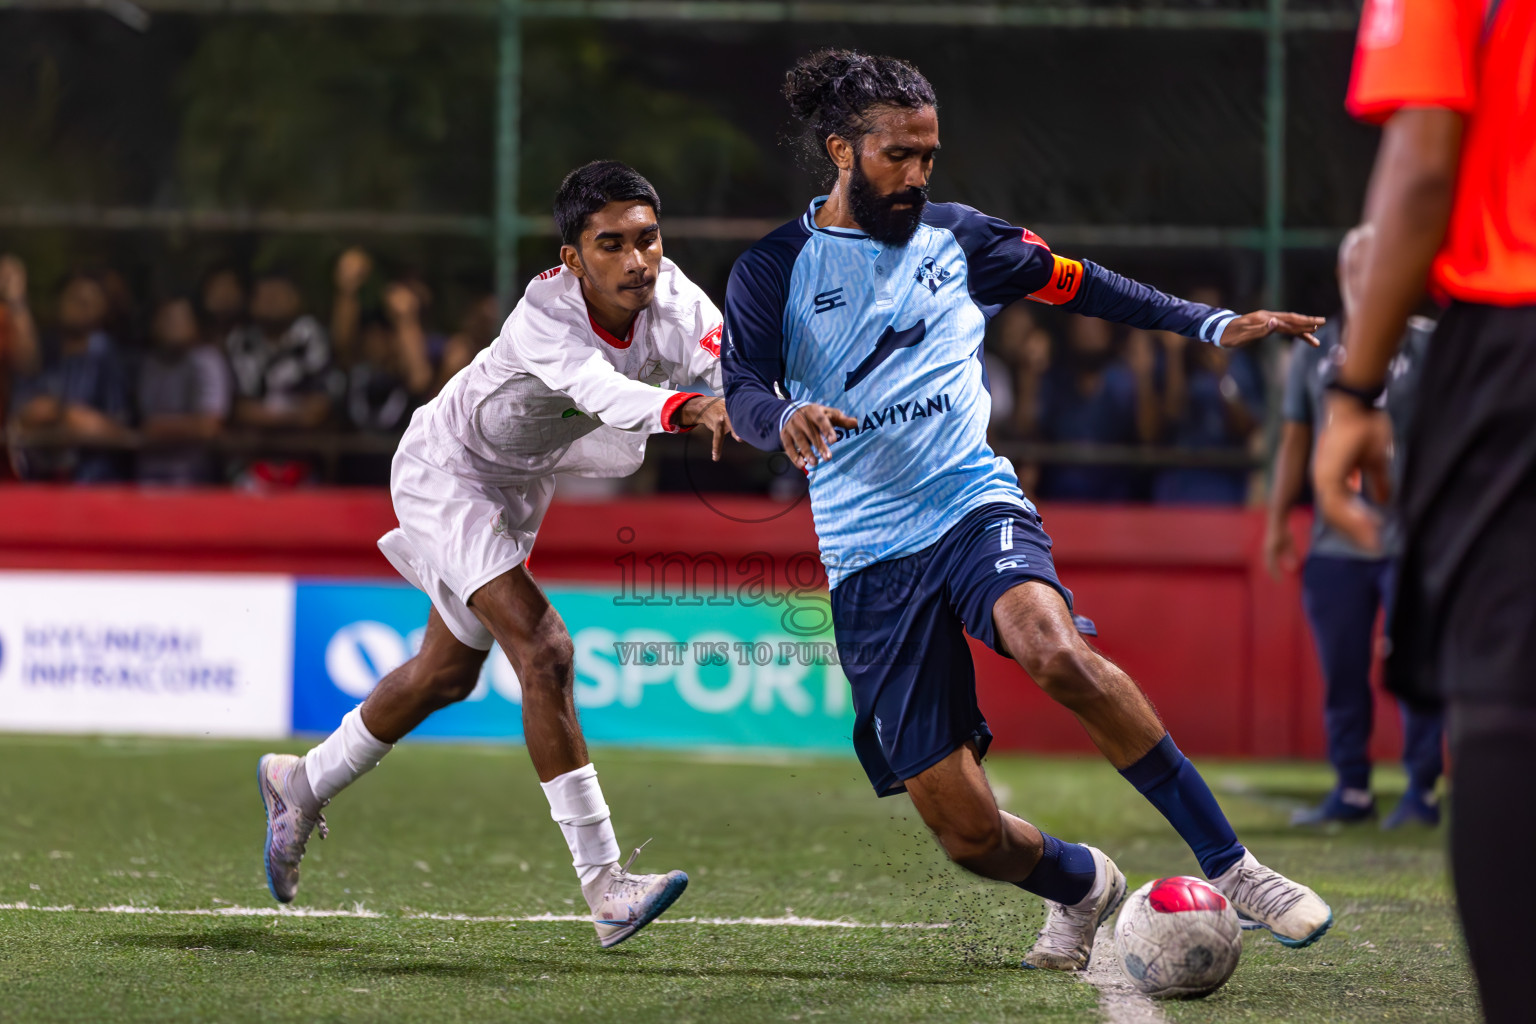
pixel 1341 597
pixel 1464 628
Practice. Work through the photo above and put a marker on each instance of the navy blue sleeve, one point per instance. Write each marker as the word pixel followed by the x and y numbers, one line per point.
pixel 1005 263
pixel 1105 294
pixel 752 358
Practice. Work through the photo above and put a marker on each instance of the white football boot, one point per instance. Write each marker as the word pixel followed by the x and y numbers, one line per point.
pixel 1066 941
pixel 1264 898
pixel 623 903
pixel 288 822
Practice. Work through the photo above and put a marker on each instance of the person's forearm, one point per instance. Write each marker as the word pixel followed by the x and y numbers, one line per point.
pixel 24 351
pixel 1409 204
pixel 42 411
pixel 345 313
pixel 91 424
pixel 417 367
pixel 306 411
pixel 182 427
pixel 1290 471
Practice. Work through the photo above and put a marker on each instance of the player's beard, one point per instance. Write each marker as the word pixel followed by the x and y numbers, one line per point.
pixel 876 213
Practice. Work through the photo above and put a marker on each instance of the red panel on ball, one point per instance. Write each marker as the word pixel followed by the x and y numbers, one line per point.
pixel 1176 895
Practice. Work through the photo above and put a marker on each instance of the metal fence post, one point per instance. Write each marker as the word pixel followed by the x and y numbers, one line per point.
pixel 509 98
pixel 1274 216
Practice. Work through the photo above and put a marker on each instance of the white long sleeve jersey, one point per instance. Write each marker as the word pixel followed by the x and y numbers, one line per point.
pixel 557 393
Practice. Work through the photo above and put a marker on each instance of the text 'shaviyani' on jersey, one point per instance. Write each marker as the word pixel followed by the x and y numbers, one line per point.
pixel 892 336
pixel 557 393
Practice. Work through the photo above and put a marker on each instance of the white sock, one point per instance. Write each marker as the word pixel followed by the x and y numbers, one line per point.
pixel 342 756
pixel 576 803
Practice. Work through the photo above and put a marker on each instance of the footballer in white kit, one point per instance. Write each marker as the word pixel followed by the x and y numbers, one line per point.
pixel 595 358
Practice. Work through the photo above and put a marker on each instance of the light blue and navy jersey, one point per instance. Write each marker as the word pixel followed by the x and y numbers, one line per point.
pixel 892 336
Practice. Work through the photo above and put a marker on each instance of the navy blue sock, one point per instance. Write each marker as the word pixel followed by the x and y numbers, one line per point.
pixel 1173 785
pixel 1065 873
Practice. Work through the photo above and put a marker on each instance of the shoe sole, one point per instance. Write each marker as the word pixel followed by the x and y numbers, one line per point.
pixel 669 895
pixel 266 850
pixel 1320 931
pixel 1104 915
pixel 1248 924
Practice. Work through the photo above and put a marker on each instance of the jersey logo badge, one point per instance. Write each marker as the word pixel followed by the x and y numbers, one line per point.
pixel 829 300
pixel 931 274
pixel 891 340
pixel 711 342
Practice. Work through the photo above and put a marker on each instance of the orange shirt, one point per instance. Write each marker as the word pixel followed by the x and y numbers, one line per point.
pixel 1477 57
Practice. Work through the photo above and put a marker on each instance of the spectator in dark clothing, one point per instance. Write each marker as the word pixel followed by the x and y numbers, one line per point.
pixel 389 378
pixel 185 394
pixel 283 375
pixel 221 305
pixel 1212 399
pixel 78 392
pixel 281 361
pixel 478 328
pixel 405 302
pixel 1093 397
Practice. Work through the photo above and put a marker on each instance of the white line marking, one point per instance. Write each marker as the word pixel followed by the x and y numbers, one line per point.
pixel 787 921
pixel 1119 1002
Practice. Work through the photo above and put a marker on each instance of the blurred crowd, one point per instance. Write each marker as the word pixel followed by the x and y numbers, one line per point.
pixel 1079 381
pixel 240 382
pixel 202 387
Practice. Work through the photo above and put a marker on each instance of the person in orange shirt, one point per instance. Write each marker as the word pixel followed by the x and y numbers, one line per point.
pixel 1453 202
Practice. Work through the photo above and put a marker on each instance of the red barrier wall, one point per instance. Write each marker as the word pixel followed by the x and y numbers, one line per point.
pixel 1180 595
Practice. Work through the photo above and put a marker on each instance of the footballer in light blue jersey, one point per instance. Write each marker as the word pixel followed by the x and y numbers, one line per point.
pixel 891 335
pixel 853 341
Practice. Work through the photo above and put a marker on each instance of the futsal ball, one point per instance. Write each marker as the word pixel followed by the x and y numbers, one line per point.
pixel 1178 938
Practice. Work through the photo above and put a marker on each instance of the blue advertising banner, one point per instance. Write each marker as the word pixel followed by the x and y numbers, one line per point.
pixel 647 673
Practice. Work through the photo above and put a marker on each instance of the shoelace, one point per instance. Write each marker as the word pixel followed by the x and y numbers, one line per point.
pixel 622 884
pixel 632 856
pixel 1266 892
pixel 1061 930
pixel 305 826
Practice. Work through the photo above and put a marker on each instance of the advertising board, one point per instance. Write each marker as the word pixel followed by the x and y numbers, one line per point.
pixel 203 655
pixel 647 674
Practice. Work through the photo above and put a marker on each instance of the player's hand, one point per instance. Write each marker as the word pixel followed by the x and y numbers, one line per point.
pixel 1250 327
pixel 13 280
pixel 1279 549
pixel 1355 441
pixel 401 303
pixel 352 269
pixel 710 414
pixel 809 433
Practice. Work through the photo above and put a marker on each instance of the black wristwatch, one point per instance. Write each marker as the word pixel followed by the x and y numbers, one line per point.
pixel 1367 397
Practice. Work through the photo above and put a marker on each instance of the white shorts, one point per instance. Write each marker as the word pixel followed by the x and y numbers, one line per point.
pixel 456 533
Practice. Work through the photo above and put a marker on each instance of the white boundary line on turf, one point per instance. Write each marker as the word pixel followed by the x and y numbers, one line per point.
pixel 787 921
pixel 1119 1002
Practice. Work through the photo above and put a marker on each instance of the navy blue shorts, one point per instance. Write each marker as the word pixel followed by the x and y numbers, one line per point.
pixel 901 626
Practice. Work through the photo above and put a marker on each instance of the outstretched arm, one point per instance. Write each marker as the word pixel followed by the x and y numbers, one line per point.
pixel 1006 263
pixel 1106 294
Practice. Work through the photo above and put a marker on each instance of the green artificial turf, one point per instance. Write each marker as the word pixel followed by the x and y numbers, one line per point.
pixel 92 823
